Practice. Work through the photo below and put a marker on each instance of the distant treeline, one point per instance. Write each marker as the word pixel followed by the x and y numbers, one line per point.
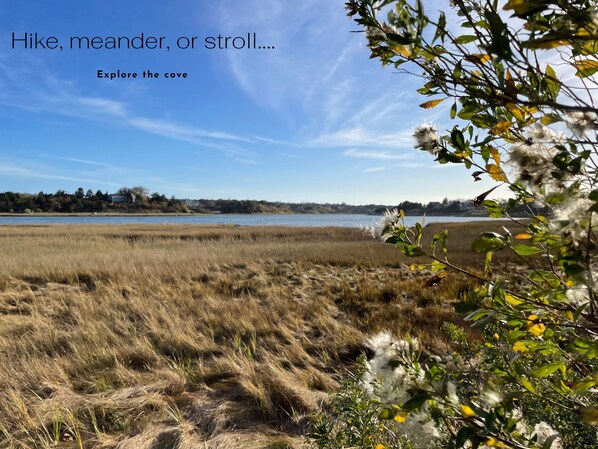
pixel 139 200
pixel 251 207
pixel 135 199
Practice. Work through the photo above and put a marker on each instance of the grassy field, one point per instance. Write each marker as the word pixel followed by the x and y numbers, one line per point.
pixel 159 337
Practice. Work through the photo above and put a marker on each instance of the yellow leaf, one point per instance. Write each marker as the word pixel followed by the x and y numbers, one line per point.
pixel 537 329
pixel 585 64
pixel 483 58
pixel 380 446
pixel 496 336
pixel 493 442
pixel 508 76
pixel 512 300
pixel 431 104
pixel 500 128
pixel 495 155
pixel 401 417
pixel 467 411
pixel 523 236
pixel 590 47
pixel 496 173
pixel 546 44
pixel 520 346
pixel 532 318
pixel 517 112
pixel 522 7
pixel 586 67
pixel 402 213
pixel 403 51
pixel 569 316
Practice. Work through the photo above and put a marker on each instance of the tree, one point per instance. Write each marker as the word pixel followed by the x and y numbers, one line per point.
pixel 138 194
pixel 79 194
pixel 520 78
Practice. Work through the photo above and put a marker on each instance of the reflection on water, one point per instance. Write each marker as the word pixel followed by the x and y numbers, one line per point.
pixel 310 220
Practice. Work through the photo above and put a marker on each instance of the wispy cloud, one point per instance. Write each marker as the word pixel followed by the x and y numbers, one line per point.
pixel 362 136
pixel 87 162
pixel 375 169
pixel 372 154
pixel 182 132
pixel 10 169
pixel 332 95
pixel 199 137
pixel 44 93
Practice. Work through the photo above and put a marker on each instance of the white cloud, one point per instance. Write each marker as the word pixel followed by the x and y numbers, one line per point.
pixel 48 95
pixel 375 169
pixel 181 132
pixel 373 154
pixel 10 169
pixel 363 136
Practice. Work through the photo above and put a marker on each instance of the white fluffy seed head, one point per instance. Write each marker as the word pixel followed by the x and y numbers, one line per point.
pixel 426 138
pixel 581 123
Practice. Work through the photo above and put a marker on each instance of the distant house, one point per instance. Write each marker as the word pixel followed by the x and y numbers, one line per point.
pixel 121 199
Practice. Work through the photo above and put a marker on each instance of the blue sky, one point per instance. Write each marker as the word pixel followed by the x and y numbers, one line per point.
pixel 312 120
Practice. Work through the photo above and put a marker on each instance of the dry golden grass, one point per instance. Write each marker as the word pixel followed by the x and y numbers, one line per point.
pixel 156 337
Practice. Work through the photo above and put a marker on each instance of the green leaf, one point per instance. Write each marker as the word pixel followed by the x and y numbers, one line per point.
pixel 527 250
pixel 494 209
pixel 437 266
pixel 585 348
pixel 583 385
pixel 416 401
pixel 412 251
pixel 500 44
pixel 475 316
pixel 399 39
pixel 445 156
pixel 488 241
pixel 586 67
pixel 388 413
pixel 571 266
pixel 480 198
pixel 454 110
pixel 465 39
pixel 528 385
pixel 547 370
pixel 457 139
pixel 550 118
pixel 468 111
pixel 441 27
pixel 462 437
pixel 552 81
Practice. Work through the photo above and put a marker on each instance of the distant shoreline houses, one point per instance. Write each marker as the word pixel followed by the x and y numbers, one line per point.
pixel 120 199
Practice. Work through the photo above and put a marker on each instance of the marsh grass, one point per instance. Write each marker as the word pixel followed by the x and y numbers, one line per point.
pixel 152 337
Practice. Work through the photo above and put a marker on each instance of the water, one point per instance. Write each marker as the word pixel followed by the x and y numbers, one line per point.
pixel 308 220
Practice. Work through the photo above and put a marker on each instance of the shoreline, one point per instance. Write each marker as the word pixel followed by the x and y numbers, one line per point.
pixel 180 214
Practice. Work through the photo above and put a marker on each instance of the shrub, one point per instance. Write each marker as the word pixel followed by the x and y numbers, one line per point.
pixel 530 127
